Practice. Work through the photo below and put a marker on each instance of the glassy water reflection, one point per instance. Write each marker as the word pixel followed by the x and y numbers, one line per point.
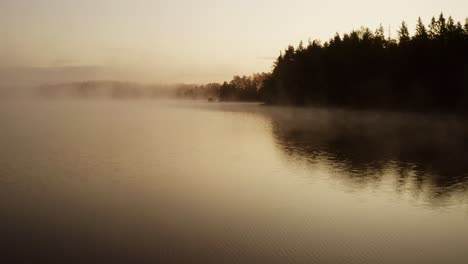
pixel 126 181
pixel 425 156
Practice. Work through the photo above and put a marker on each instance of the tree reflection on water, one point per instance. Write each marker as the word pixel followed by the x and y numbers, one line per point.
pixel 425 154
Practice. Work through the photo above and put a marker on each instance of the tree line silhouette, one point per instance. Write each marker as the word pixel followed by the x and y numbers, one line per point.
pixel 366 69
pixel 245 88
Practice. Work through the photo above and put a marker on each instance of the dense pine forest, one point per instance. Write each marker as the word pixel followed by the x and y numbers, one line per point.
pixel 245 88
pixel 366 69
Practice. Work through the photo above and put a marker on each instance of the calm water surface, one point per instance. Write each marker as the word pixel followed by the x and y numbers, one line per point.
pixel 101 181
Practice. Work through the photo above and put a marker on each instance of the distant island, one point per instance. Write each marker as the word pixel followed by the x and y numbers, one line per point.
pixel 111 89
pixel 363 69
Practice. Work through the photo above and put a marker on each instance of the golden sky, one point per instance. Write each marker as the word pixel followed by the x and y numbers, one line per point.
pixel 179 40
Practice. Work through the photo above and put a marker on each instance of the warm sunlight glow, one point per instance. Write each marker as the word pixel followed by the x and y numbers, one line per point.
pixel 179 40
pixel 240 131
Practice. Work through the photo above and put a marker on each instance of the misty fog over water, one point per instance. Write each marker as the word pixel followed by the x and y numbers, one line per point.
pixel 189 181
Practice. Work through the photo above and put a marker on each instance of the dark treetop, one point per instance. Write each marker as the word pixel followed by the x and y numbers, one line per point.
pixel 365 69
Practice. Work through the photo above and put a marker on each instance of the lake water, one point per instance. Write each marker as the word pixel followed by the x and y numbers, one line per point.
pixel 110 181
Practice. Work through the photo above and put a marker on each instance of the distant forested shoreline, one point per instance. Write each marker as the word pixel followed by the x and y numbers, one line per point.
pixel 363 69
